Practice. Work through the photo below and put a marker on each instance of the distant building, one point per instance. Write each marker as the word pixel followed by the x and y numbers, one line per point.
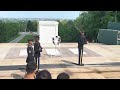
pixel 109 36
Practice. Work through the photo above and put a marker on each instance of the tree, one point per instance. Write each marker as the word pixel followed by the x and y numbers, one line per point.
pixel 29 26
pixel 9 30
pixel 32 26
pixel 34 23
pixel 118 16
pixel 67 31
pixel 92 21
pixel 1 30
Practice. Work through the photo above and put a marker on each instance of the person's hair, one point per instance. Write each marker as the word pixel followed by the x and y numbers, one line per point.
pixel 63 76
pixel 31 67
pixel 37 38
pixel 30 40
pixel 44 74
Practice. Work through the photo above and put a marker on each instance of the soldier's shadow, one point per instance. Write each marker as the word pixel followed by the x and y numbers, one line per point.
pixel 106 64
pixel 66 64
pixel 69 62
pixel 42 66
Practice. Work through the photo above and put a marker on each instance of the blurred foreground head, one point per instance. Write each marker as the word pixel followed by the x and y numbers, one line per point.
pixel 63 76
pixel 44 74
pixel 31 67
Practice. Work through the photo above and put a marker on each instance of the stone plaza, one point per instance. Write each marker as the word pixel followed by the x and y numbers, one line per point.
pixel 101 61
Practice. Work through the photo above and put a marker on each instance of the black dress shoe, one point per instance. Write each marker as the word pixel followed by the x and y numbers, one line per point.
pixel 81 64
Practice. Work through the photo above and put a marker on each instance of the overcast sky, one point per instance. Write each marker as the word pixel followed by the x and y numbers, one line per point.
pixel 40 14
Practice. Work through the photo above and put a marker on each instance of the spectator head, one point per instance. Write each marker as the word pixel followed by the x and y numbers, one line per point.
pixel 30 41
pixel 31 67
pixel 63 76
pixel 44 74
pixel 37 38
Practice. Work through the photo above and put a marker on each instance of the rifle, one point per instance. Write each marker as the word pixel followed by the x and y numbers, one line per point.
pixel 78 28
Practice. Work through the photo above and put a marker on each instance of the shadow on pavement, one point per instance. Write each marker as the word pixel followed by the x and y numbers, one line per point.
pixel 67 65
pixel 107 64
pixel 69 62
pixel 94 71
pixel 17 76
pixel 13 67
pixel 42 66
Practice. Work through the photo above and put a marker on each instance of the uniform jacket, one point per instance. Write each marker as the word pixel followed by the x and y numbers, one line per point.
pixel 37 49
pixel 82 40
pixel 30 53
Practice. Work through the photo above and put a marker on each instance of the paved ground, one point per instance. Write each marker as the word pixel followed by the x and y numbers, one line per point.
pixel 101 61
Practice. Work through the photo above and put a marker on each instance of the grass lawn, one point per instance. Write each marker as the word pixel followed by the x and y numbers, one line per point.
pixel 25 39
pixel 13 38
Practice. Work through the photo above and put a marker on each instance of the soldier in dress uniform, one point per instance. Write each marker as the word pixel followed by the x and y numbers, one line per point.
pixel 30 52
pixel 82 40
pixel 37 50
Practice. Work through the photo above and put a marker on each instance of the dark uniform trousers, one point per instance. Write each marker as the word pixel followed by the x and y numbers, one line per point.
pixel 37 50
pixel 80 49
pixel 81 42
pixel 38 63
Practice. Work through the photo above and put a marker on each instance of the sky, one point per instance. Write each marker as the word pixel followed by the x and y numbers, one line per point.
pixel 40 14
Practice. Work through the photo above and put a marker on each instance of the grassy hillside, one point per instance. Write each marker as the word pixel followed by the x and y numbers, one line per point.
pixel 25 39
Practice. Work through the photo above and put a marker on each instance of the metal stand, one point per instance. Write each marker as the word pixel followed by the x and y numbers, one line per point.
pixel 56 43
pixel 60 49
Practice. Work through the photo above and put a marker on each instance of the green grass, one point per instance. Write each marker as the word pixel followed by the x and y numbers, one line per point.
pixel 12 38
pixel 25 39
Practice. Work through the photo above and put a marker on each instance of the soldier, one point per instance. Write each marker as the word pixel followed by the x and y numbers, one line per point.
pixel 37 50
pixel 30 52
pixel 82 40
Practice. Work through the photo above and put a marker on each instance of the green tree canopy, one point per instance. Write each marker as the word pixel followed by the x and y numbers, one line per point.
pixel 92 21
pixel 32 26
